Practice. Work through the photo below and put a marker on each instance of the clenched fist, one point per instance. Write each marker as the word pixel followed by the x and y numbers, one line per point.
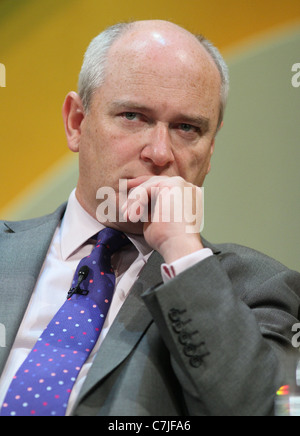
pixel 171 211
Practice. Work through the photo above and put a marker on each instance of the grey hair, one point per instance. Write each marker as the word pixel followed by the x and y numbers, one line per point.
pixel 92 74
pixel 223 70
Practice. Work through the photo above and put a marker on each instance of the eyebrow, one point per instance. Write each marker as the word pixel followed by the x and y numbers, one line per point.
pixel 118 104
pixel 198 121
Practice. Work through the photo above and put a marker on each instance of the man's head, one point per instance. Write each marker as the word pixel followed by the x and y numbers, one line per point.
pixel 92 74
pixel 150 102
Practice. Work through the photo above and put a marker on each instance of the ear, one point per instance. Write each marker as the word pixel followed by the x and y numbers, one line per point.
pixel 212 148
pixel 73 115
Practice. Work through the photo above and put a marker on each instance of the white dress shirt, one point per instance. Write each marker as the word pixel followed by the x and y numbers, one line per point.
pixel 71 242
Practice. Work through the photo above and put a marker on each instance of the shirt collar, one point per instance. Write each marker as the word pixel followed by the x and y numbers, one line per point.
pixel 78 226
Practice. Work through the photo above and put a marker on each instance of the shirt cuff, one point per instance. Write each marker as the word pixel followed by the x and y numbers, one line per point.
pixel 168 272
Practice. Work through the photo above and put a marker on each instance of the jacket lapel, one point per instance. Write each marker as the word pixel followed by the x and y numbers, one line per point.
pixel 127 329
pixel 24 246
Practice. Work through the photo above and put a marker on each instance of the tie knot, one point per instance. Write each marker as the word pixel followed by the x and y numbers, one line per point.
pixel 112 239
pixel 97 266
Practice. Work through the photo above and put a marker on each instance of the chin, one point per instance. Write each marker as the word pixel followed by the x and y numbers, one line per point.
pixel 133 228
pixel 126 227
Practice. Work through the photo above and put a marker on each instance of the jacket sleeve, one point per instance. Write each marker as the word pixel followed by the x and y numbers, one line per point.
pixel 227 323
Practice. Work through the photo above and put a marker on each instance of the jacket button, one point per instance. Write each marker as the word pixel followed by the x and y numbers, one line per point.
pixel 174 314
pixel 177 326
pixel 196 361
pixel 184 337
pixel 190 350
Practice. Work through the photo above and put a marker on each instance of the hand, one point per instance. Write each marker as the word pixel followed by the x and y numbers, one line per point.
pixel 171 212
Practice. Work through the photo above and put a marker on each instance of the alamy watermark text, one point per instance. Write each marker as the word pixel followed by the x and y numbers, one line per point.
pixel 2 336
pixel 296 76
pixel 2 76
pixel 176 205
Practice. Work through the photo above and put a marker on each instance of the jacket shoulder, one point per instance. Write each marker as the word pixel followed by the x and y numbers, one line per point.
pixel 15 226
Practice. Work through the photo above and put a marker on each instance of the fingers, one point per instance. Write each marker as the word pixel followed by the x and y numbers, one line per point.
pixel 164 199
pixel 142 197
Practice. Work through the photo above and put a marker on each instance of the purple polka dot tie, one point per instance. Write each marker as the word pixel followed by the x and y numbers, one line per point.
pixel 43 383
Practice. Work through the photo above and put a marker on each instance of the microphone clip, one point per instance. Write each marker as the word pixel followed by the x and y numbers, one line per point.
pixel 76 290
pixel 82 275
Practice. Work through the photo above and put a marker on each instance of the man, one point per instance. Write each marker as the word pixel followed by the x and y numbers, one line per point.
pixel 193 329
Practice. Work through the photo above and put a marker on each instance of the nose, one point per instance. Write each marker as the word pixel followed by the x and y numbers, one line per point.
pixel 158 148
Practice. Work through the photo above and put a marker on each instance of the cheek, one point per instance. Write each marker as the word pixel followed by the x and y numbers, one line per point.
pixel 194 166
pixel 104 153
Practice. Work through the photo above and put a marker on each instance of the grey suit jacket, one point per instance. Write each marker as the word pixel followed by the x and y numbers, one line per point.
pixel 212 341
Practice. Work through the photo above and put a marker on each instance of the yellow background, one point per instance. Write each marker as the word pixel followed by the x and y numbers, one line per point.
pixel 42 44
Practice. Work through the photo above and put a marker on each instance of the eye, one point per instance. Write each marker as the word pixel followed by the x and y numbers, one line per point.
pixel 188 128
pixel 130 116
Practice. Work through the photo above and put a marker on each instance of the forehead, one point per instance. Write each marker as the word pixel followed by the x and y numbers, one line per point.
pixel 163 67
pixel 162 50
